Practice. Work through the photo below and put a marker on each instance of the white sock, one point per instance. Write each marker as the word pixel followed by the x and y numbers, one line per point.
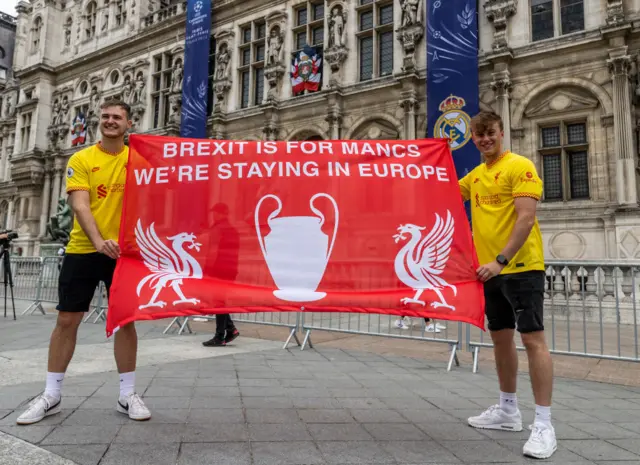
pixel 508 402
pixel 543 415
pixel 127 383
pixel 54 384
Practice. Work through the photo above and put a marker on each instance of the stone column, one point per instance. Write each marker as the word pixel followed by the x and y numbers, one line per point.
pixel 11 213
pixel 55 193
pixel 44 209
pixel 501 85
pixel 22 209
pixel 409 105
pixel 619 66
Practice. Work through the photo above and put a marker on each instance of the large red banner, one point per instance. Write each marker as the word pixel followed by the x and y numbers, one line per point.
pixel 213 226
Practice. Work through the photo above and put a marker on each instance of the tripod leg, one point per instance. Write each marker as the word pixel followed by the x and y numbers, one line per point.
pixel 8 274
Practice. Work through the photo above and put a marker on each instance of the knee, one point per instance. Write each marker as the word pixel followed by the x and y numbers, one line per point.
pixel 68 321
pixel 128 329
pixel 503 338
pixel 534 342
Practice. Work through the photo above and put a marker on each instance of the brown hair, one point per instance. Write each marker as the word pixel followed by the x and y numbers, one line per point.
pixel 484 119
pixel 117 103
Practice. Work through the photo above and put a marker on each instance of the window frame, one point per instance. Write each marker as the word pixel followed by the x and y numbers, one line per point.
pixel 161 108
pixel 556 8
pixel 565 150
pixel 375 32
pixel 310 26
pixel 254 66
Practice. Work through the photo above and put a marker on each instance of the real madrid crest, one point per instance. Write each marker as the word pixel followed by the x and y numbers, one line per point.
pixel 454 124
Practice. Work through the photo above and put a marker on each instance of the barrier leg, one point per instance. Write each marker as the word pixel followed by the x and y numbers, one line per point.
pixel 454 356
pixel 185 324
pixel 36 306
pixel 292 334
pixel 476 358
pixel 101 315
pixel 307 339
pixel 176 321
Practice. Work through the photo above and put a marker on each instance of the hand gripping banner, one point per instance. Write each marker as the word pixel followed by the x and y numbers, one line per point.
pixel 212 226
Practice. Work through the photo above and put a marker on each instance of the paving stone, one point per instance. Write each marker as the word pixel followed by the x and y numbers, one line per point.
pixel 459 431
pixel 228 453
pixel 481 451
pixel 377 416
pixel 216 416
pixel 267 415
pixel 95 417
pixel 267 402
pixel 395 431
pixel 289 453
pixel 215 433
pixel 338 432
pixel 418 452
pixel 148 433
pixel 279 432
pixel 89 454
pixel 215 402
pixel 316 403
pixel 216 391
pixel 599 450
pixel 360 452
pixel 325 416
pixel 428 416
pixel 32 433
pixel 82 434
pixel 127 454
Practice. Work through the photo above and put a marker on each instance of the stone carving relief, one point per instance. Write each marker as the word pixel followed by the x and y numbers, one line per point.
pixel 177 76
pixel 59 127
pixel 560 101
pixel 630 244
pixel 222 81
pixel 138 98
pixel 411 31
pixel 337 51
pixel 567 245
pixel 498 13
pixel 615 12
pixel 379 129
pixel 10 105
pixel 275 68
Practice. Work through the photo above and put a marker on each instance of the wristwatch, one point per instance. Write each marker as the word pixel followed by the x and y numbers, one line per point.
pixel 502 260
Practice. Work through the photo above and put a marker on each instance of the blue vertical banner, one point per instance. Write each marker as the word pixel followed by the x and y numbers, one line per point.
pixel 452 78
pixel 193 118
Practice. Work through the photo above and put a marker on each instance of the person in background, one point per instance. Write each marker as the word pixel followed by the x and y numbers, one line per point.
pixel 404 322
pixel 224 249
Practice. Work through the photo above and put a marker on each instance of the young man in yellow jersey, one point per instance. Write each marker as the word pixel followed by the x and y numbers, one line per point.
pixel 95 183
pixel 504 192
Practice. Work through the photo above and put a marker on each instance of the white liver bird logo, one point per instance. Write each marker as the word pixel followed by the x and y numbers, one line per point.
pixel 169 266
pixel 421 261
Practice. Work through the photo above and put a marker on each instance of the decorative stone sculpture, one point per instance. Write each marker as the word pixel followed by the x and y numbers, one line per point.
pixel 615 12
pixel 138 91
pixel 10 107
pixel 57 110
pixel 337 51
pixel 275 47
pixel 175 102
pixel 67 36
pixel 59 226
pixel 222 61
pixel 94 102
pixel 411 31
pixel 127 90
pixel 176 77
pixel 498 13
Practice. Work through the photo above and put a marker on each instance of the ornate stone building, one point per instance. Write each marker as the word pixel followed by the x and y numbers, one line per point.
pixel 562 73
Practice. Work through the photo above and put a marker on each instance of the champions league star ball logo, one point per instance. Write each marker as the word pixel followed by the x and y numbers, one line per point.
pixel 454 124
pixel 197 7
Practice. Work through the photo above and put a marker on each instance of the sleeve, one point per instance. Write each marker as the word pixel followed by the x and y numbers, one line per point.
pixel 525 181
pixel 77 175
pixel 465 186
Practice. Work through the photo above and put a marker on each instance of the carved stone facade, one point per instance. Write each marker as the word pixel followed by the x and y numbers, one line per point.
pixel 588 78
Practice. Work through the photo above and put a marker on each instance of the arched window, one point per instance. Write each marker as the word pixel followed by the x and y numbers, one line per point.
pixel 36 31
pixel 90 20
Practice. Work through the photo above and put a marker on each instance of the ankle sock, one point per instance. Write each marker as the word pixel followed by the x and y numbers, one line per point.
pixel 127 383
pixel 508 402
pixel 54 385
pixel 543 415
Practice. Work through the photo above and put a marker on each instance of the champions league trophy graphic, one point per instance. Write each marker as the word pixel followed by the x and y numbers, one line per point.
pixel 296 250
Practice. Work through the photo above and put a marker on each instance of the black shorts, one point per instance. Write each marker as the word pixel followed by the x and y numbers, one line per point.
pixel 79 277
pixel 515 301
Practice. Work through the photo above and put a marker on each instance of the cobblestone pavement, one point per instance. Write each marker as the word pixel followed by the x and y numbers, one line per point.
pixel 288 407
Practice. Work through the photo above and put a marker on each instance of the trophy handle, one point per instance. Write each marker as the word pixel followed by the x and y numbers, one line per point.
pixel 319 213
pixel 271 216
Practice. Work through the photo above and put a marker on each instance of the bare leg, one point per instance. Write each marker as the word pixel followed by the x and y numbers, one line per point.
pixel 63 341
pixel 126 348
pixel 540 367
pixel 504 349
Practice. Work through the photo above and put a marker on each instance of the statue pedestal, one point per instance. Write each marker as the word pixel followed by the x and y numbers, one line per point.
pixel 50 249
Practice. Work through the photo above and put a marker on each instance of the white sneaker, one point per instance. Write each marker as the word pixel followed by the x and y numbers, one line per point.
pixel 133 406
pixel 432 329
pixel 400 324
pixel 542 442
pixel 496 418
pixel 42 406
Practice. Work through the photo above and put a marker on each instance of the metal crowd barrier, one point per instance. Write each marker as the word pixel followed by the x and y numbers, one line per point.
pixel 591 310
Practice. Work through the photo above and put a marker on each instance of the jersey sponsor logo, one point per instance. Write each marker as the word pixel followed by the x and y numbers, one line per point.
pixel 102 191
pixel 497 177
pixel 493 199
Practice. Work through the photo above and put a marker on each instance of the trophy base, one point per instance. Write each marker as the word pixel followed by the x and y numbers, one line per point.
pixel 299 295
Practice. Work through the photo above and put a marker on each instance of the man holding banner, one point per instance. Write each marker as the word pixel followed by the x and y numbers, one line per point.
pixel 504 192
pixel 95 183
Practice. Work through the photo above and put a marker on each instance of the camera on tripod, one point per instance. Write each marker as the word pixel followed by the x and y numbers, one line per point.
pixel 7 236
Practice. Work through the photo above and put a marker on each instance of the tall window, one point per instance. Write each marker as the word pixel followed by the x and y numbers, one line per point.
pixel 550 18
pixel 565 161
pixel 375 38
pixel 211 98
pixel 121 13
pixel 252 55
pixel 162 68
pixel 90 20
pixel 36 32
pixel 309 30
pixel 25 132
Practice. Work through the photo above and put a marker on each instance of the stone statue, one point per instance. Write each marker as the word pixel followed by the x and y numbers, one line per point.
pixel 9 107
pixel 138 92
pixel 176 77
pixel 409 12
pixel 94 102
pixel 59 226
pixel 337 31
pixel 127 91
pixel 105 23
pixel 275 49
pixel 67 36
pixel 222 61
pixel 64 110
pixel 56 113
